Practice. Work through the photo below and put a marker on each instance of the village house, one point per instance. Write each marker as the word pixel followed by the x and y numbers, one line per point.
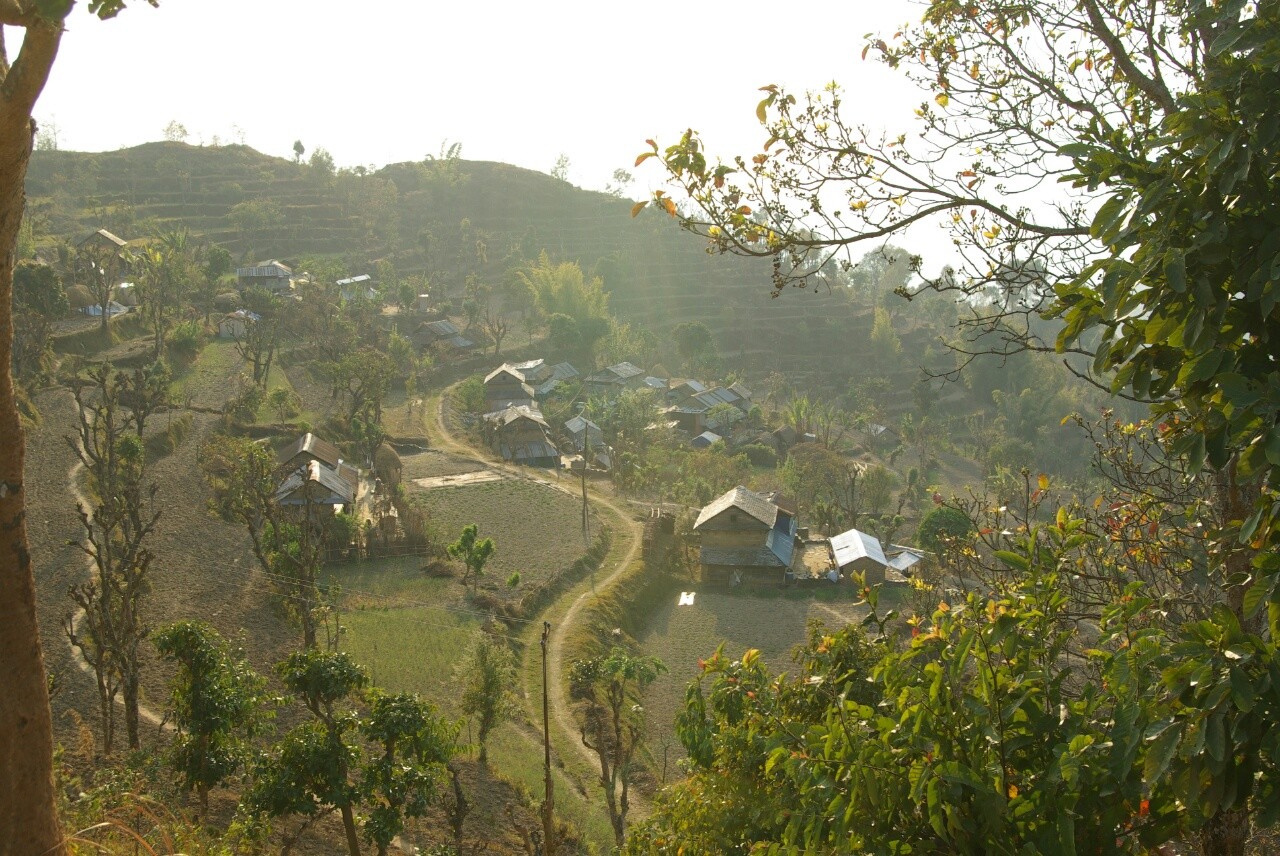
pixel 745 538
pixel 584 433
pixel 521 383
pixel 505 386
pixel 521 435
pixel 855 551
pixel 314 484
pixel 113 309
pixel 357 287
pixel 611 381
pixel 274 276
pixel 705 440
pixel 440 335
pixel 312 471
pixel 234 325
pixel 309 447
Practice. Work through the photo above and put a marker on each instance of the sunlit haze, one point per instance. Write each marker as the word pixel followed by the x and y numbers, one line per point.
pixel 513 82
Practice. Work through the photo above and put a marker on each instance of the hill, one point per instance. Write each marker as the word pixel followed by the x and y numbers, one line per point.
pixel 447 219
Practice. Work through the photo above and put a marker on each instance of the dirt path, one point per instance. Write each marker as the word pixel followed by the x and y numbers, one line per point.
pixel 628 528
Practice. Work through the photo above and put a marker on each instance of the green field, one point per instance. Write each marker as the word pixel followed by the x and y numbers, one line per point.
pixel 773 623
pixel 536 528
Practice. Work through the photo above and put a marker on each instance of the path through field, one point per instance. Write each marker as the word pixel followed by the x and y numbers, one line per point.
pixel 628 528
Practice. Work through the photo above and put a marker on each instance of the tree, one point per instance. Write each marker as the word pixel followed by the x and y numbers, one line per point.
pixel 561 168
pixel 111 626
pixel 321 766
pixel 940 526
pixel 102 262
pixel 288 546
pixel 298 151
pixel 169 270
pixel 29 821
pixel 611 686
pixel 322 163
pixel 285 402
pixel 217 264
pixel 256 345
pixel 473 553
pixel 310 770
pixel 487 676
pixel 363 377
pixel 217 701
pixel 692 339
pixel 175 132
pixel 1165 296
pixel 38 300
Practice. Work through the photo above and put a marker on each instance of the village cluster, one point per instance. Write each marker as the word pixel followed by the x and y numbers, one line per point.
pixel 744 537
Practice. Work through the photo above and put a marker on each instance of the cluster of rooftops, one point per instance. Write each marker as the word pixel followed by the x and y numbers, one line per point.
pixel 514 392
pixel 747 537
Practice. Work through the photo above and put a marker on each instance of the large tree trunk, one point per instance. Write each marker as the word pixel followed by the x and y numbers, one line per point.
pixel 1226 833
pixel 28 812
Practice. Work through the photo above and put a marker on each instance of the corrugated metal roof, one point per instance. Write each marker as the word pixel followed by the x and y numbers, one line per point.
pixel 563 371
pixel 353 280
pixel 317 448
pixel 317 483
pixel 905 558
pixel 749 501
pixel 443 327
pixel 507 415
pixel 578 424
pixel 115 239
pixel 507 369
pixel 537 450
pixel 706 438
pixel 782 544
pixel 853 545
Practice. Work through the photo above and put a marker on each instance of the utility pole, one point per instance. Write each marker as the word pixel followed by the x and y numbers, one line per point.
pixel 549 838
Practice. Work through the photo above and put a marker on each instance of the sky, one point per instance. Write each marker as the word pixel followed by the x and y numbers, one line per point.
pixel 521 83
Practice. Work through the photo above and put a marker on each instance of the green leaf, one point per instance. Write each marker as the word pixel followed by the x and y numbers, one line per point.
pixel 1014 560
pixel 1159 754
pixel 1272 445
pixel 1175 270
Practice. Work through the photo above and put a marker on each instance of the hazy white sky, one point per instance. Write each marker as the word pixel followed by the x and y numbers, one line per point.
pixel 380 82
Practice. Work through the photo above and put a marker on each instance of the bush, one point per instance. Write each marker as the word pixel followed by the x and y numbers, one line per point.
pixel 186 339
pixel 469 395
pixel 760 455
pixel 940 525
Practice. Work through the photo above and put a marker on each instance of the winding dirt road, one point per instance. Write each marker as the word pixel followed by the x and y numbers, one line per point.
pixel 627 528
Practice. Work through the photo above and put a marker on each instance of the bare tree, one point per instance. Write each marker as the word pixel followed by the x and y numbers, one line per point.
pixel 115 528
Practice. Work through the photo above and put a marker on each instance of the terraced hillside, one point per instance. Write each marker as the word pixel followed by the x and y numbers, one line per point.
pixel 428 217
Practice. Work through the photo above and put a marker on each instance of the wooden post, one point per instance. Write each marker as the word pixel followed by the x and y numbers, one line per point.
pixel 550 842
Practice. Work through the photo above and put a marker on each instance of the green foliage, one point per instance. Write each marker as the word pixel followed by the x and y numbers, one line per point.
pixel 692 339
pixel 941 525
pixel 218 702
pixel 488 678
pixel 389 762
pixel 473 551
pixel 186 339
pixel 759 455
pixel 402 781
pixel 968 738
pixel 469 396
